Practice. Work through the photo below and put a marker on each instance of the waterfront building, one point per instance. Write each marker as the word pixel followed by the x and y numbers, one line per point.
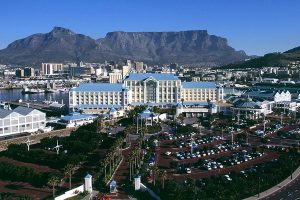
pixel 21 119
pixel 151 89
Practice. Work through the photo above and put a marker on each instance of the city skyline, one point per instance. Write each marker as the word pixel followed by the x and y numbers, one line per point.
pixel 257 27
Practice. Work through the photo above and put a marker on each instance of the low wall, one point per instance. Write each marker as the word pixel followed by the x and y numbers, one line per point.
pixel 143 188
pixel 70 193
pixel 35 137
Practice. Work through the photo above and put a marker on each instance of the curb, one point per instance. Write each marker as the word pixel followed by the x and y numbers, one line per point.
pixel 275 188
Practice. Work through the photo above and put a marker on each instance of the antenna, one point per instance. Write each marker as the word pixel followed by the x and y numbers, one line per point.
pixel 57 147
pixel 28 143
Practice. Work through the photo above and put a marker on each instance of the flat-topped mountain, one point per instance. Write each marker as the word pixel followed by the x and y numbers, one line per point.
pixel 195 47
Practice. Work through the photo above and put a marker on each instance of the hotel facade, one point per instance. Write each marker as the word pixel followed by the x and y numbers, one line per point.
pixel 161 90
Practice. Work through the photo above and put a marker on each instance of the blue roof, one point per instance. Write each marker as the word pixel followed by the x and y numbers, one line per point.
pixel 88 176
pixel 154 104
pixel 160 76
pixel 199 85
pixel 95 106
pixel 99 87
pixel 77 116
pixel 202 103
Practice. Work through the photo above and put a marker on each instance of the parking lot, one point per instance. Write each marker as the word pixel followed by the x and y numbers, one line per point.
pixel 199 156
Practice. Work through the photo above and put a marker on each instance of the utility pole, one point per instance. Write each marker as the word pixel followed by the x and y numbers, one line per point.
pixel 192 141
pixel 264 125
pixel 258 185
pixel 57 147
pixel 247 137
pixel 292 167
pixel 28 143
pixel 281 119
pixel 231 136
pixel 200 128
pixel 222 134
pixel 137 124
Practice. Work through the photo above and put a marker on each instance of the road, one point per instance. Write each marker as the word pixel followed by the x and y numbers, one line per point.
pixel 289 192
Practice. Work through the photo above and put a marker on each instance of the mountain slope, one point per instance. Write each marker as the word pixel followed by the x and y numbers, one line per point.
pixel 269 60
pixel 63 45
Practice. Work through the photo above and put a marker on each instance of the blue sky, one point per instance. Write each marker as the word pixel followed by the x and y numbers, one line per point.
pixel 256 26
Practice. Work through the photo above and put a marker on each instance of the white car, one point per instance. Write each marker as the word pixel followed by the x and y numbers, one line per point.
pixel 228 177
pixel 168 153
pixel 188 170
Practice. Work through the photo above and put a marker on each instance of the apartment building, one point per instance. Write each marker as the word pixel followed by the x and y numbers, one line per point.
pixel 51 68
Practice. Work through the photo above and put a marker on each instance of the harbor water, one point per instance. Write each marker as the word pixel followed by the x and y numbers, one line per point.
pixel 16 94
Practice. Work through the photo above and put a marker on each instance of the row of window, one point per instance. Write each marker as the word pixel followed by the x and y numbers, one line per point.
pixel 7 122
pixel 21 128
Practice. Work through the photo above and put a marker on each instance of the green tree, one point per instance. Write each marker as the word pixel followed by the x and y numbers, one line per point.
pixel 163 176
pixel 68 171
pixel 53 181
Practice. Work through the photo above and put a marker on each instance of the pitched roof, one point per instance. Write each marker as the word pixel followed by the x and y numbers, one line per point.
pixel 99 87
pixel 157 76
pixel 23 110
pixel 199 85
pixel 4 112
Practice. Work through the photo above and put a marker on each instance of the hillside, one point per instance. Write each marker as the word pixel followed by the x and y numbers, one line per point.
pixel 268 60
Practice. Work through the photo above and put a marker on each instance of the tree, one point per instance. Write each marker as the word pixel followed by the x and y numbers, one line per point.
pixel 68 171
pixel 130 160
pixel 103 163
pixel 163 176
pixel 99 123
pixel 53 181
pixel 154 170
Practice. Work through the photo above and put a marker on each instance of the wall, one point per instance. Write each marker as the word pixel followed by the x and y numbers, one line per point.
pixel 70 193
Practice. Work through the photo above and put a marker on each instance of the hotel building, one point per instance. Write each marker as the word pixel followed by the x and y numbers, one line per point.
pixel 162 90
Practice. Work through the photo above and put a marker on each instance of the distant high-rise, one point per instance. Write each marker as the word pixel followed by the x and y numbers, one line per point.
pixel 51 68
pixel 139 66
pixel 19 73
pixel 28 72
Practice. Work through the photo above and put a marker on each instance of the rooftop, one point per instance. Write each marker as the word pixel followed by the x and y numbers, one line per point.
pixel 4 112
pixel 77 116
pixel 23 110
pixel 99 87
pixel 199 85
pixel 157 76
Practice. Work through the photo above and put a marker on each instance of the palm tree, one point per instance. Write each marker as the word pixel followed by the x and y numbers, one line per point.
pixel 109 157
pixel 103 164
pixel 130 160
pixel 53 181
pixel 163 176
pixel 99 123
pixel 68 171
pixel 154 170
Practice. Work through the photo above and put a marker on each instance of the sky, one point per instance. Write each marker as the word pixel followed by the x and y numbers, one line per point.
pixel 255 26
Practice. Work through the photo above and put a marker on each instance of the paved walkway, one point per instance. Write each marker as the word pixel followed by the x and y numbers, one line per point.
pixel 122 173
pixel 276 187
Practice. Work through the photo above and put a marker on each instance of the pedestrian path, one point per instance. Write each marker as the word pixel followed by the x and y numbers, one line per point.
pixel 122 173
pixel 277 187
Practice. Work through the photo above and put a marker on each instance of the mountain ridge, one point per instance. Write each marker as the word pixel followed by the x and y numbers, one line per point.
pixel 194 47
